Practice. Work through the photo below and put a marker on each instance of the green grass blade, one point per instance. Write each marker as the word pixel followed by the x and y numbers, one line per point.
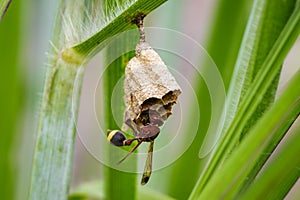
pixel 4 4
pixel 121 22
pixel 56 133
pixel 11 98
pixel 280 174
pixel 261 83
pixel 118 184
pixel 230 177
pixel 56 128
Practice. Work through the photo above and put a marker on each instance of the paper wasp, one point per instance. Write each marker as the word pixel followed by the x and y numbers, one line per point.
pixel 145 128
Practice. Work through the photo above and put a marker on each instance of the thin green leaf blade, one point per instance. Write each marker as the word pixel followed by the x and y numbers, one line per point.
pixel 280 174
pixel 230 177
pixel 11 98
pixel 4 4
pixel 119 23
pixel 53 155
pixel 118 184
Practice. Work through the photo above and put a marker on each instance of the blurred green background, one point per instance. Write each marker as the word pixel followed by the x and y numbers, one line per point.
pixel 24 39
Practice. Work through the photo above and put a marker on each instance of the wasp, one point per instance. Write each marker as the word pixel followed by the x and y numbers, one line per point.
pixel 145 128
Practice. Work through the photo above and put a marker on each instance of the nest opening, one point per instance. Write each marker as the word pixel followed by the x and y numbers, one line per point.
pixel 156 111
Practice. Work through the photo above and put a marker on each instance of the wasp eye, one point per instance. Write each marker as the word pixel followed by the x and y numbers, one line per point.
pixel 116 137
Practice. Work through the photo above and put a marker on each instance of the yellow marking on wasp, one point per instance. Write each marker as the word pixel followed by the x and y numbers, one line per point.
pixel 111 134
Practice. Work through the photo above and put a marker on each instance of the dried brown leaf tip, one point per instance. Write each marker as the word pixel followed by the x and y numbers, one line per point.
pixel 150 93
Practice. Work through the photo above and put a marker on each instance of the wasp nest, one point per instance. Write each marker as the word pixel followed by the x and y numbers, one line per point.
pixel 149 87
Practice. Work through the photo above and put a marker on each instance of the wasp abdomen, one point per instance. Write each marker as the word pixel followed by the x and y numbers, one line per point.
pixel 116 137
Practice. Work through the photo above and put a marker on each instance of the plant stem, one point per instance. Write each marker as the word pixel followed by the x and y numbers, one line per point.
pixel 50 178
pixel 56 132
pixel 118 184
pixel 11 100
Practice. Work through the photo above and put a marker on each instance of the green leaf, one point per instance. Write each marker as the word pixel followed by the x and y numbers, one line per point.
pixel 121 22
pixel 118 184
pixel 272 125
pixel 11 99
pixel 4 4
pixel 280 174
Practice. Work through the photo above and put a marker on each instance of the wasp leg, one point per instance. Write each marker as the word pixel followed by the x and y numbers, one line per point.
pixel 130 152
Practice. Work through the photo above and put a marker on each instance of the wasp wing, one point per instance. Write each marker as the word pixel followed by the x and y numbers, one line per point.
pixel 148 166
